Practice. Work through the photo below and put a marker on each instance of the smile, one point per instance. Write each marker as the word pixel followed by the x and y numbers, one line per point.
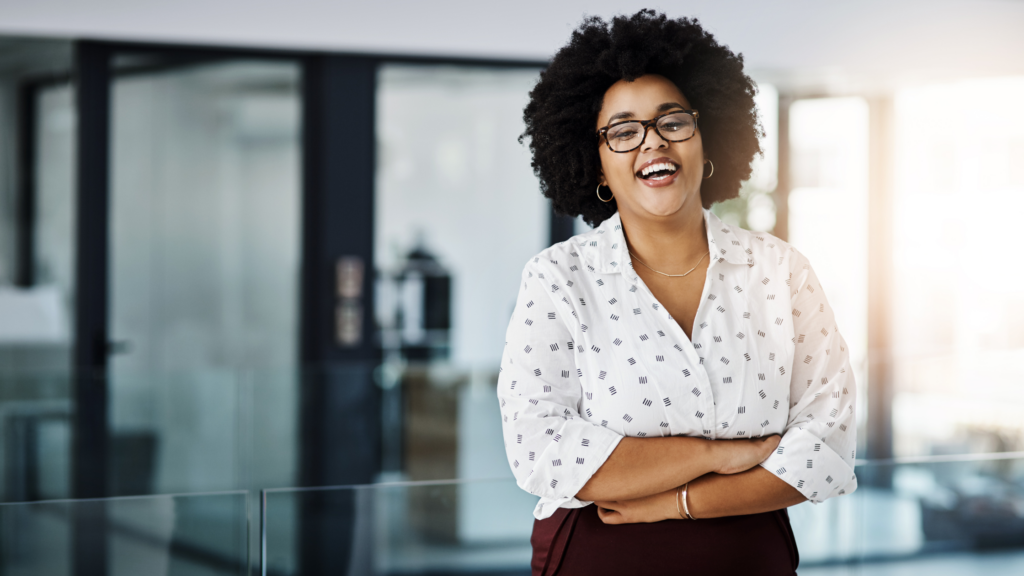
pixel 658 171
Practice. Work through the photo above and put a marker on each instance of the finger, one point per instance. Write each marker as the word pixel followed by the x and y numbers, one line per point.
pixel 609 516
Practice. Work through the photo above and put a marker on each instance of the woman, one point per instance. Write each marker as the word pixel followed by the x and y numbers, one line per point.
pixel 684 376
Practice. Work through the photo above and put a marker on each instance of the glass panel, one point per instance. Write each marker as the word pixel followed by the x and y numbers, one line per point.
pixel 459 212
pixel 958 309
pixel 196 534
pixel 205 209
pixel 35 434
pixel 828 214
pixel 423 528
pixel 54 228
pixel 953 517
pixel 36 316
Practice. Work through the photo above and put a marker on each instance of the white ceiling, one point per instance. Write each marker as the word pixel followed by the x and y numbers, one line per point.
pixel 809 45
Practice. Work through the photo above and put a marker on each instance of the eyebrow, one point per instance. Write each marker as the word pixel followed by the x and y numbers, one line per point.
pixel 663 108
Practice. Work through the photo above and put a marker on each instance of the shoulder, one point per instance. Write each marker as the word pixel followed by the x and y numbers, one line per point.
pixel 770 251
pixel 563 258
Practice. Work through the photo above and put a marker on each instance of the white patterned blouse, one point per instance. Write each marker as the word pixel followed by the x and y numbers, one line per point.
pixel 591 356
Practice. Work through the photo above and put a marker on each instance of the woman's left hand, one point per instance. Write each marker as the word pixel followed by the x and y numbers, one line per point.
pixel 653 508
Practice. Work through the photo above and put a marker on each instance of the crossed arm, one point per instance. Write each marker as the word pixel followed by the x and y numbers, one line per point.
pixel 639 481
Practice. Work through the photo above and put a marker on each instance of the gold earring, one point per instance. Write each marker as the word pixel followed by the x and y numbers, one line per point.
pixel 712 168
pixel 599 195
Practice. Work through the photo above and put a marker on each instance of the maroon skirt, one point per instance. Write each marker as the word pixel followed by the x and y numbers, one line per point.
pixel 576 542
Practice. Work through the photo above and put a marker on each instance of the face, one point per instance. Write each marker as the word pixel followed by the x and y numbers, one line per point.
pixel 674 189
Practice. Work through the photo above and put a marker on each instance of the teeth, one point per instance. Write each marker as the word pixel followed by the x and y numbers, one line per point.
pixel 659 166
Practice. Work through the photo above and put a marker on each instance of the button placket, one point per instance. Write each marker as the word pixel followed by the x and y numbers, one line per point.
pixel 708 422
pixel 698 377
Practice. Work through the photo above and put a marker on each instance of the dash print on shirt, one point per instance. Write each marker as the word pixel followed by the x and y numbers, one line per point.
pixel 627 369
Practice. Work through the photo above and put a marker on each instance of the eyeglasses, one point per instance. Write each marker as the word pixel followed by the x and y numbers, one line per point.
pixel 629 135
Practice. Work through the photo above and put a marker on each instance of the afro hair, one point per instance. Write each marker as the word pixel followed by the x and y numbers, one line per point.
pixel 561 115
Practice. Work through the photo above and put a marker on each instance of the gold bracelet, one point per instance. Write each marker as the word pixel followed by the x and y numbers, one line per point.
pixel 678 509
pixel 686 508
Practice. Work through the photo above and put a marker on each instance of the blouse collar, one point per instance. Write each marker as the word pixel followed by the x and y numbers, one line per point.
pixel 604 248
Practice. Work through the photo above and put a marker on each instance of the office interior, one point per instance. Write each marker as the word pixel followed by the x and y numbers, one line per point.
pixel 253 300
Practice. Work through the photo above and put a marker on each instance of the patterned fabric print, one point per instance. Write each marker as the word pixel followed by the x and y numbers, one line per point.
pixel 591 357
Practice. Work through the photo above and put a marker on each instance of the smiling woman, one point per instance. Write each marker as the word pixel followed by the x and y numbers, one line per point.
pixel 710 382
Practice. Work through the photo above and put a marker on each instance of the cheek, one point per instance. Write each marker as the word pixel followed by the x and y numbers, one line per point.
pixel 617 167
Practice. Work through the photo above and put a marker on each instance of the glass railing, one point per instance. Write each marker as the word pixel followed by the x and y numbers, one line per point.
pixel 946 515
pixel 949 515
pixel 198 432
pixel 935 515
pixel 193 534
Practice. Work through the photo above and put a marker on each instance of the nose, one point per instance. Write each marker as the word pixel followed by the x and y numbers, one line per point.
pixel 653 140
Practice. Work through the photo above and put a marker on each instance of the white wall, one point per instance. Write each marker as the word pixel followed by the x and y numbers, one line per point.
pixel 837 45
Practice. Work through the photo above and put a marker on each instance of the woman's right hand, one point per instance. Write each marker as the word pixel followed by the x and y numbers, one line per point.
pixel 735 456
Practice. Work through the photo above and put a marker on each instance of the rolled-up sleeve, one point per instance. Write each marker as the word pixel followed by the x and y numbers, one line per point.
pixel 552 450
pixel 817 451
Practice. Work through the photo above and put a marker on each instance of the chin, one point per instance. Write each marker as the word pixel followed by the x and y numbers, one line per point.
pixel 661 209
pixel 664 206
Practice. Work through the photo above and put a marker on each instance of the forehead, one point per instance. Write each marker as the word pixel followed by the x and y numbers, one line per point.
pixel 642 97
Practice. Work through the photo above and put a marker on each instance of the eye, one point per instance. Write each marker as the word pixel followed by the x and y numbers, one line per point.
pixel 624 132
pixel 676 123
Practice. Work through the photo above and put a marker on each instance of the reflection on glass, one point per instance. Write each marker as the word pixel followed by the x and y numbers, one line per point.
pixel 958 304
pixel 203 271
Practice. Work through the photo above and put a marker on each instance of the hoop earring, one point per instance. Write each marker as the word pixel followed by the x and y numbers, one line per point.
pixel 599 195
pixel 706 161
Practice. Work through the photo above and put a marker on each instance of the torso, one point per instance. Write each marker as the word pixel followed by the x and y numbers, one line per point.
pixel 664 356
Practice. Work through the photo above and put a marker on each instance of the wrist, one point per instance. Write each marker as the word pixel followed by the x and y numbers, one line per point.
pixel 670 504
pixel 694 499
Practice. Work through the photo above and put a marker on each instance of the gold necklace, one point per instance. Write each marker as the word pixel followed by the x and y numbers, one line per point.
pixel 670 275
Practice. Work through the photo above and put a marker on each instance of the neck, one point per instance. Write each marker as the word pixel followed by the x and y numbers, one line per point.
pixel 670 245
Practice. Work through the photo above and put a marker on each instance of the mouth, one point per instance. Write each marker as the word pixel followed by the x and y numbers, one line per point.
pixel 657 170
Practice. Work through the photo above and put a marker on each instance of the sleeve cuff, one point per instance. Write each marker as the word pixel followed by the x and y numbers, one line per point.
pixel 535 484
pixel 808 464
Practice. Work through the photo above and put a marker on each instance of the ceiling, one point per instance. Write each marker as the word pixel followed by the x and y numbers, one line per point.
pixel 799 45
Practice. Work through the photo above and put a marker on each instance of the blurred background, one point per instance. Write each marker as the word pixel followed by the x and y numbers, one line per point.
pixel 257 262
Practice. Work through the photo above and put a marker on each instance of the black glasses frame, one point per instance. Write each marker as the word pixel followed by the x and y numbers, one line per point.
pixel 652 123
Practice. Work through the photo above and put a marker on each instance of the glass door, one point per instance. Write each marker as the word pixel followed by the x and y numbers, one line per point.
pixel 204 255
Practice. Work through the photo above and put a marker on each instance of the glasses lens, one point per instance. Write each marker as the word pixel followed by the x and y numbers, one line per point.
pixel 677 127
pixel 625 136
